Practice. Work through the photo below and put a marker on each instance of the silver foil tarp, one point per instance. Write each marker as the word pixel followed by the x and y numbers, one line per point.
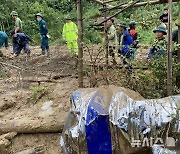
pixel 118 120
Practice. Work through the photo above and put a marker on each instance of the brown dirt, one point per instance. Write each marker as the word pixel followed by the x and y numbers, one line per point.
pixel 18 100
pixel 29 85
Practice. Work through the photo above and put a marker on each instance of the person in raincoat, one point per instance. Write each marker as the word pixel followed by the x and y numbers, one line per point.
pixel 44 34
pixel 70 36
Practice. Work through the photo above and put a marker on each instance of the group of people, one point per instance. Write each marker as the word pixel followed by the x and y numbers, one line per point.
pixel 124 45
pixel 20 40
pixel 127 41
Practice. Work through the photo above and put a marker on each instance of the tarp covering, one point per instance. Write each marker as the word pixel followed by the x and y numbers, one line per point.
pixel 112 120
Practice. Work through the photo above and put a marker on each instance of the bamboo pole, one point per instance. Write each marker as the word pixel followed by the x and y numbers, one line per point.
pixel 80 45
pixel 106 37
pixel 169 60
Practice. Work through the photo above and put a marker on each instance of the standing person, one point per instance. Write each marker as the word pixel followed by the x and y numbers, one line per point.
pixel 125 40
pixel 20 41
pixel 3 39
pixel 70 36
pixel 159 46
pixel 175 40
pixel 133 32
pixel 112 39
pixel 44 34
pixel 125 43
pixel 18 22
pixel 164 18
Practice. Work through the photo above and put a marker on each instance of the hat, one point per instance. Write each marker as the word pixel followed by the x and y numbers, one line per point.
pixel 161 29
pixel 122 24
pixel 67 18
pixel 39 14
pixel 133 23
pixel 14 13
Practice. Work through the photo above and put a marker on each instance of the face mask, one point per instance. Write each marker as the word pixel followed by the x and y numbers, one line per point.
pixel 38 19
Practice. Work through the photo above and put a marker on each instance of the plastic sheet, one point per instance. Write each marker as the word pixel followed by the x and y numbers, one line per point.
pixel 117 120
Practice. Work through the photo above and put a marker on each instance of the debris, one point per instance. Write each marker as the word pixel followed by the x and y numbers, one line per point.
pixel 111 119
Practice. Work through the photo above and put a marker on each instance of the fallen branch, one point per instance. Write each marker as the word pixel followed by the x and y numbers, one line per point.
pixel 102 3
pixel 11 66
pixel 39 80
pixel 56 77
pixel 140 4
pixel 124 9
pixel 22 126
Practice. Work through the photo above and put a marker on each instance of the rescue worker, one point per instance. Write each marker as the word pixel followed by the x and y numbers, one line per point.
pixel 159 46
pixel 70 36
pixel 164 18
pixel 112 39
pixel 133 32
pixel 175 40
pixel 20 41
pixel 44 35
pixel 18 22
pixel 3 39
pixel 125 46
pixel 125 40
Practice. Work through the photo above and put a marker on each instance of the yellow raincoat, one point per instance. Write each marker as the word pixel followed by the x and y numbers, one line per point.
pixel 70 35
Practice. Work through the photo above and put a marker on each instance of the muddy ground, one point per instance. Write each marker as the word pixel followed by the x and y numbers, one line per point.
pixel 35 93
pixel 37 89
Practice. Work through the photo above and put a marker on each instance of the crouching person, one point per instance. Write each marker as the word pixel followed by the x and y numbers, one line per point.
pixel 20 41
pixel 159 46
pixel 3 39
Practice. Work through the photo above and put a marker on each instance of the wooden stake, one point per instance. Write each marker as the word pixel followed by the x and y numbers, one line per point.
pixel 80 45
pixel 106 37
pixel 169 61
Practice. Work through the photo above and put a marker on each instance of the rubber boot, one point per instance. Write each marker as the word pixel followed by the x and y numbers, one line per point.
pixel 42 52
pixel 48 53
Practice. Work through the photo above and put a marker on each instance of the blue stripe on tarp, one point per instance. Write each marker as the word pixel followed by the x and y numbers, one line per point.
pixel 76 95
pixel 98 135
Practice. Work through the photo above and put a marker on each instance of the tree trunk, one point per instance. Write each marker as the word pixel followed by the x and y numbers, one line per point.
pixel 80 41
pixel 169 61
pixel 22 126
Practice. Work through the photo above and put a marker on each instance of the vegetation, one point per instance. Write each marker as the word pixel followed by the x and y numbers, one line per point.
pixel 54 12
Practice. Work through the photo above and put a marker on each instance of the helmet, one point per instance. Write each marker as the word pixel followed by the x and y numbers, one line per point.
pixel 133 23
pixel 161 29
pixel 122 24
pixel 67 18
